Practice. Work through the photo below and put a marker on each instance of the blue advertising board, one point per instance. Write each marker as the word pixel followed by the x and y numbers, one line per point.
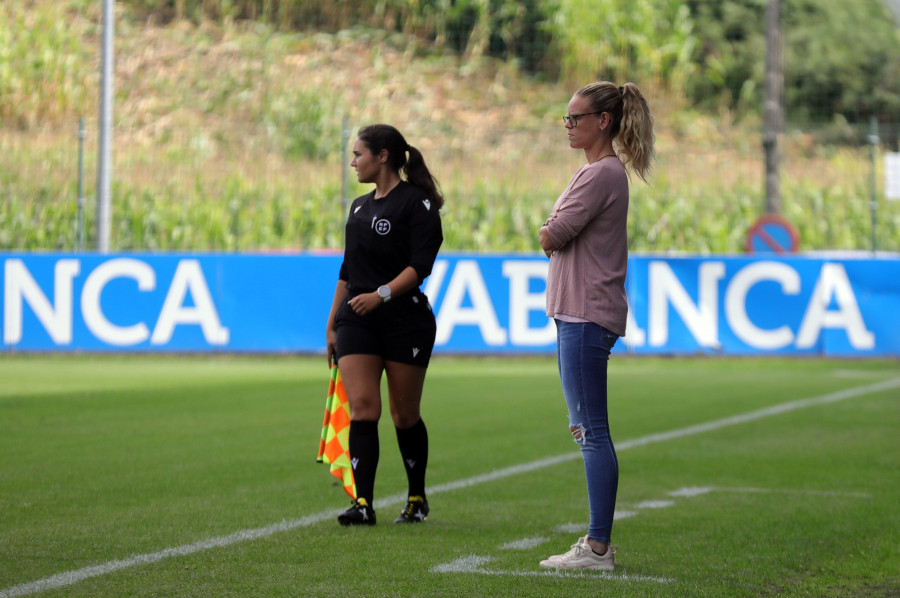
pixel 483 304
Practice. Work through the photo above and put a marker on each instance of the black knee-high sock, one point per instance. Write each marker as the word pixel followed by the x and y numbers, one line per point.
pixel 413 444
pixel 364 452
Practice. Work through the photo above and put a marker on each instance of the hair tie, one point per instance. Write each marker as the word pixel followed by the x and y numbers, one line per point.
pixel 408 147
pixel 621 89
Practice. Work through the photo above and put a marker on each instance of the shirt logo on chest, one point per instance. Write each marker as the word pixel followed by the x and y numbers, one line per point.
pixel 382 227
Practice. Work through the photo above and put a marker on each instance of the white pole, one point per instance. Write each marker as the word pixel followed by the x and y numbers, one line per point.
pixel 104 158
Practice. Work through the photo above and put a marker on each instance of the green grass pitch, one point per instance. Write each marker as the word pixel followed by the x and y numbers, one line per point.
pixel 196 476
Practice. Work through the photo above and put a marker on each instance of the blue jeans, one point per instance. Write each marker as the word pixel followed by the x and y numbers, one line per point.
pixel 583 352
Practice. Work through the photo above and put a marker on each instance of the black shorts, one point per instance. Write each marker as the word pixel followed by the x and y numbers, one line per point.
pixel 401 330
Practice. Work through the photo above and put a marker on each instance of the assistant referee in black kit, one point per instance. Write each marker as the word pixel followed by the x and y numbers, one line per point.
pixel 380 321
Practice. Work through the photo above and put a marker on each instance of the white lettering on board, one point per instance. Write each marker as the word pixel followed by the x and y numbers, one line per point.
pixel 833 283
pixel 736 304
pixel 94 318
pixel 189 279
pixel 19 287
pixel 522 303
pixel 467 280
pixel 701 319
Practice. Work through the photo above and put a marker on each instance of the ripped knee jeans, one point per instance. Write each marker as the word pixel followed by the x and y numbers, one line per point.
pixel 583 353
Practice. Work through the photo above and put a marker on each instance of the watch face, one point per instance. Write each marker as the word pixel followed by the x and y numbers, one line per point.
pixel 384 291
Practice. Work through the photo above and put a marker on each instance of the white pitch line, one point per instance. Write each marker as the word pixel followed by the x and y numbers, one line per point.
pixel 617 515
pixel 691 491
pixel 829 493
pixel 718 424
pixel 654 504
pixel 71 577
pixel 559 573
pixel 854 373
pixel 525 543
pixel 473 563
pixel 569 528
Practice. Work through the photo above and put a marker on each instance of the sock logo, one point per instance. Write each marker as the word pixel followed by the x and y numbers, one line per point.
pixel 353 462
pixel 411 463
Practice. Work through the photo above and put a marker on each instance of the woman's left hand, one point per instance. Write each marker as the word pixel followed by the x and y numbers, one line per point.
pixel 365 303
pixel 546 241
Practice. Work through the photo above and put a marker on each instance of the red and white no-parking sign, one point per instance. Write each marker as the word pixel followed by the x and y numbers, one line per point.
pixel 772 234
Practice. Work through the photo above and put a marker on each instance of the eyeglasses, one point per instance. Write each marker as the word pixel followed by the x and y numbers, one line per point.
pixel 573 118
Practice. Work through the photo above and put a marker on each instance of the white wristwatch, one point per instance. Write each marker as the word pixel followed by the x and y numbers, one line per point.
pixel 384 292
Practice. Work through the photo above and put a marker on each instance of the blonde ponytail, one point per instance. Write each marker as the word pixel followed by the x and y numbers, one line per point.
pixel 636 139
pixel 631 128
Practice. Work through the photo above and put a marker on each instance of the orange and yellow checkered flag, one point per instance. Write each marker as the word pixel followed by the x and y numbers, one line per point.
pixel 334 445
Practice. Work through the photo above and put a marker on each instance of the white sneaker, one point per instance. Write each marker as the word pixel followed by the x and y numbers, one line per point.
pixel 581 541
pixel 582 556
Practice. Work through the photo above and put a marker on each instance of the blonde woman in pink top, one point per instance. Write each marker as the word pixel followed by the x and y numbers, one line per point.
pixel 586 240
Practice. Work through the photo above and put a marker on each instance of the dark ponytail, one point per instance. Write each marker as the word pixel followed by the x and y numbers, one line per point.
pixel 419 175
pixel 379 137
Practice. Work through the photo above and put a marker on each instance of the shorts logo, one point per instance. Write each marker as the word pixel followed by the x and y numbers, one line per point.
pixel 383 226
pixel 415 352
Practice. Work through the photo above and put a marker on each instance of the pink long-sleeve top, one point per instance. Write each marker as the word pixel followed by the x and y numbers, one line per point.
pixel 588 226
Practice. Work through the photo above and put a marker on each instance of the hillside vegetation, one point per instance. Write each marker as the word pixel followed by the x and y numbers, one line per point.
pixel 230 132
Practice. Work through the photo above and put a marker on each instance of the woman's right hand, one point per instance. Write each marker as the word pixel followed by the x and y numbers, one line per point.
pixel 331 345
pixel 340 293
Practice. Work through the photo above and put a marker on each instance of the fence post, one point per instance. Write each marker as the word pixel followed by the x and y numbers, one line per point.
pixel 81 134
pixel 873 184
pixel 345 141
pixel 772 106
pixel 104 159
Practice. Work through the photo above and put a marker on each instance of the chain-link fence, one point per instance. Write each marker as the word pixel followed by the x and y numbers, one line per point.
pixel 232 122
